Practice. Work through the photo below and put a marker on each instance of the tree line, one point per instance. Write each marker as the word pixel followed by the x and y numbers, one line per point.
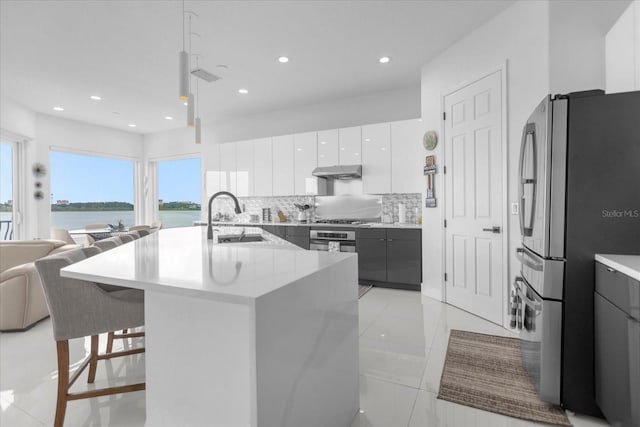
pixel 121 206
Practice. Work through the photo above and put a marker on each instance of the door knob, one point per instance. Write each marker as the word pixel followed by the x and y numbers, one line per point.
pixel 494 229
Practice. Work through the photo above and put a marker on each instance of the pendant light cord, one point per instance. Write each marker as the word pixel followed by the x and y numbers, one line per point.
pixel 183 25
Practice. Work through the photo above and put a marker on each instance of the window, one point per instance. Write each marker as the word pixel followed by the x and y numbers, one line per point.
pixel 90 190
pixel 179 192
pixel 6 190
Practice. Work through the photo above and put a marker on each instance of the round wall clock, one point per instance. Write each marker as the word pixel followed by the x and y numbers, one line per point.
pixel 430 140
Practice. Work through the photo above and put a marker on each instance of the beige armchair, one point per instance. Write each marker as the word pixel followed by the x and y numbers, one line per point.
pixel 22 301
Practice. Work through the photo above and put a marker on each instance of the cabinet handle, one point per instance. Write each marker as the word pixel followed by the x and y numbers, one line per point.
pixel 389 240
pixel 382 240
pixel 611 270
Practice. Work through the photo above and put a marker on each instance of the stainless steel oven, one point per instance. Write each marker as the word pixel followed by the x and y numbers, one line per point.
pixel 334 240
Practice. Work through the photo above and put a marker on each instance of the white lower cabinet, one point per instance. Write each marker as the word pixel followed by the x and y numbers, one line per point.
pixel 376 158
pixel 263 167
pixel 283 171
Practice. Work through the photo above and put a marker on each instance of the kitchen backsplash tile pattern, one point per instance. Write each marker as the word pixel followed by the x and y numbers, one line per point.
pixel 223 206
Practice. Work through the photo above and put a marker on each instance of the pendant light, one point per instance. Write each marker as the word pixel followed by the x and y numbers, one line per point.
pixel 198 123
pixel 192 102
pixel 183 67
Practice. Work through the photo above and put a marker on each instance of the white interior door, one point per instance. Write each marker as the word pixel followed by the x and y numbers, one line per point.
pixel 474 202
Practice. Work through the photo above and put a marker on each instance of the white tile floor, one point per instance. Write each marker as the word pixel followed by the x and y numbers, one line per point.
pixel 403 340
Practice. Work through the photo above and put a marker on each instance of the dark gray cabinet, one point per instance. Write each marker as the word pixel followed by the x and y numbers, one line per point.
pixel 404 256
pixel 390 257
pixel 617 346
pixel 371 245
pixel 298 235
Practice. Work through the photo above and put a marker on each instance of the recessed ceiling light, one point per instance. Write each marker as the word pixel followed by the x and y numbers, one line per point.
pixel 58 108
pixel 384 59
pixel 243 91
pixel 168 118
pixel 283 59
pixel 367 139
pixel 186 104
pixel 299 149
pixel 131 125
pixel 96 97
pixel 356 154
pixel 116 113
pixel 323 142
pixel 341 148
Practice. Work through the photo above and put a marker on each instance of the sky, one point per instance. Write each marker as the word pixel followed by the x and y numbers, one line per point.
pixel 80 178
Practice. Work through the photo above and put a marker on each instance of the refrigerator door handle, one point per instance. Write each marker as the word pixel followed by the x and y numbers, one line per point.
pixel 524 259
pixel 529 129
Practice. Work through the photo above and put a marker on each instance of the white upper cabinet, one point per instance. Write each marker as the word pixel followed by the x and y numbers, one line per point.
pixel 263 167
pixel 350 146
pixel 407 157
pixel 328 147
pixel 211 155
pixel 228 167
pixel 244 168
pixel 283 165
pixel 376 158
pixel 305 159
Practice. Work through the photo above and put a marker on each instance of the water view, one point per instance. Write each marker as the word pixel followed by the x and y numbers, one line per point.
pixel 74 220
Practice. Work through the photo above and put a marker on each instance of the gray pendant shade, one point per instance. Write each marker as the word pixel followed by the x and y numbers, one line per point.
pixel 184 75
pixel 191 111
pixel 198 131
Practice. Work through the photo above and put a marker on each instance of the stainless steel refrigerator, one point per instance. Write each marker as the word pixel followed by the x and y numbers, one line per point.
pixel 579 194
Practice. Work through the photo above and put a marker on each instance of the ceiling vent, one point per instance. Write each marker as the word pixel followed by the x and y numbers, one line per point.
pixel 205 75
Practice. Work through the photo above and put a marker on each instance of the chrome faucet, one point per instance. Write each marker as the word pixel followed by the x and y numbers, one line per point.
pixel 219 193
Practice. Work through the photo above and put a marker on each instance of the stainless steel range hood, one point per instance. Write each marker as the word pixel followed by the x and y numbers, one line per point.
pixel 339 172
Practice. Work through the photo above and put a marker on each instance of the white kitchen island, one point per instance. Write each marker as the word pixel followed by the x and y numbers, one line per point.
pixel 241 334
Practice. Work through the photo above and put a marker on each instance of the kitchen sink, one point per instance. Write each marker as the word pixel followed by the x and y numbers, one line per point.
pixel 238 238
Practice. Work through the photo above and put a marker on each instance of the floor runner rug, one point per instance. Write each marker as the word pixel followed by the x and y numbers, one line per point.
pixel 487 372
pixel 363 289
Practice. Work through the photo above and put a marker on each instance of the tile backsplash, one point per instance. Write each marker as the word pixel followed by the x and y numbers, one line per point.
pixel 254 205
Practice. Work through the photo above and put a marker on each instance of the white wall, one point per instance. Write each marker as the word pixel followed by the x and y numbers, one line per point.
pixel 549 47
pixel 577 43
pixel 70 135
pixel 623 52
pixel 519 37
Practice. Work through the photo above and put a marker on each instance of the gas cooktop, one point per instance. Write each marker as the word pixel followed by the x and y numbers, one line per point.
pixel 338 221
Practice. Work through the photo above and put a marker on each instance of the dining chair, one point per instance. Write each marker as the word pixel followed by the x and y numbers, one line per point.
pixel 126 238
pixel 139 227
pixel 143 233
pixel 80 309
pixel 156 225
pixel 108 243
pixel 62 234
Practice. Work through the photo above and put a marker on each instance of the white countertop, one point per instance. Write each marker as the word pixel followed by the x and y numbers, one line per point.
pixel 182 261
pixel 316 224
pixel 625 264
